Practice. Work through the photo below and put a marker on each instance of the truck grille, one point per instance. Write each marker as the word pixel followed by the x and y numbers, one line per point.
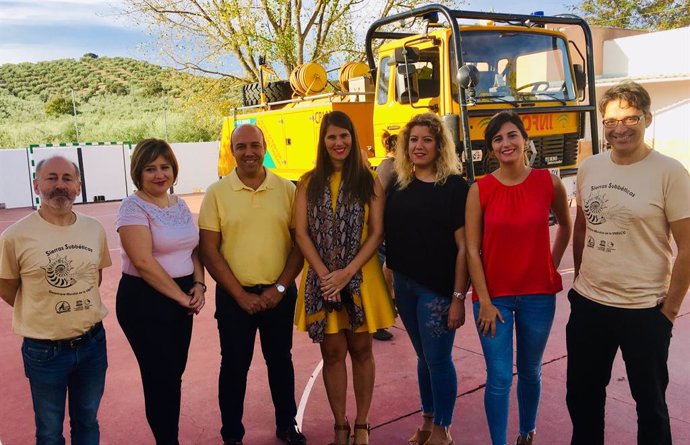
pixel 552 151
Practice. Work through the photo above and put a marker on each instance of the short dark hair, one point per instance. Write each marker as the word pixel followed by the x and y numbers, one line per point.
pixel 497 121
pixel 40 163
pixel 631 92
pixel 146 151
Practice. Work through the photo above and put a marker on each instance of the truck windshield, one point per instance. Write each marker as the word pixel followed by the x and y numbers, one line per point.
pixel 518 66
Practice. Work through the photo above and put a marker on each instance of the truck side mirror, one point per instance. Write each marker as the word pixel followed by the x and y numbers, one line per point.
pixel 468 76
pixel 406 55
pixel 580 79
pixel 407 83
pixel 407 70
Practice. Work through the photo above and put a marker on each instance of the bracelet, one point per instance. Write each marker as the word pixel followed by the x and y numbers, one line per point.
pixel 200 283
pixel 459 296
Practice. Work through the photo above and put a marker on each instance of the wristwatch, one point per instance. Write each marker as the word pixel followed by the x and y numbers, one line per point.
pixel 281 288
pixel 459 296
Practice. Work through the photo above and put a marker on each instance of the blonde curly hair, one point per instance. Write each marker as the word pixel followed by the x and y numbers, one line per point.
pixel 447 162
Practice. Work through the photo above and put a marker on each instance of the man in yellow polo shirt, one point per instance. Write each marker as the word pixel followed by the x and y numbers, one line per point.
pixel 246 244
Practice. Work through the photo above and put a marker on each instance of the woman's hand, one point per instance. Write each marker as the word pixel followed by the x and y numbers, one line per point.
pixel 198 300
pixel 456 314
pixel 486 321
pixel 333 282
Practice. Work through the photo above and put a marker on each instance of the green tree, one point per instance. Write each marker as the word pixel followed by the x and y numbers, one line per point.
pixel 197 33
pixel 58 105
pixel 653 15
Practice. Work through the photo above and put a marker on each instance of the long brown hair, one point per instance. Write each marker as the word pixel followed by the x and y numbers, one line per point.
pixel 357 180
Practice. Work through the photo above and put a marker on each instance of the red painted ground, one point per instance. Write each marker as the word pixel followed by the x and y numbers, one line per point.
pixel 394 414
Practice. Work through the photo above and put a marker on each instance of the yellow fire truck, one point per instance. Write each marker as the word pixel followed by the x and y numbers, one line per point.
pixel 465 72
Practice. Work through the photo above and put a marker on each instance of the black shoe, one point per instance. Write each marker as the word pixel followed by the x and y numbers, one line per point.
pixel 382 335
pixel 292 436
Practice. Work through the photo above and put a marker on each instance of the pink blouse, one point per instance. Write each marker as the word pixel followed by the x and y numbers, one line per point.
pixel 173 232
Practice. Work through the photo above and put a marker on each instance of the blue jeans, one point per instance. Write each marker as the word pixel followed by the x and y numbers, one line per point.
pixel 532 316
pixel 55 372
pixel 425 316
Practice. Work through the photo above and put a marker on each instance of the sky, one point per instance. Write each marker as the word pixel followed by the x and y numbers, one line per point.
pixel 35 30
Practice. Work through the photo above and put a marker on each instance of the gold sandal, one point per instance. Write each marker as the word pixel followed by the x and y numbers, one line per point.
pixel 419 437
pixel 345 427
pixel 362 426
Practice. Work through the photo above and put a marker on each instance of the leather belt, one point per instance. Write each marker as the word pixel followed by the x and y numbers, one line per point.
pixel 72 343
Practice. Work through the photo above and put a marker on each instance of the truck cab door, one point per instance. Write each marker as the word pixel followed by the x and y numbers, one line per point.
pixel 405 90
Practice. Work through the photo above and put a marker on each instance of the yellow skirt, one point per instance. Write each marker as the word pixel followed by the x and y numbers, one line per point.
pixel 376 301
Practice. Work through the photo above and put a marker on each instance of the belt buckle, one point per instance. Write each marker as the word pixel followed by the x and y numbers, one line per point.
pixel 77 343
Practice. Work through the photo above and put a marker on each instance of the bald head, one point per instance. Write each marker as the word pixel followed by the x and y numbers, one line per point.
pixel 57 158
pixel 248 148
pixel 246 130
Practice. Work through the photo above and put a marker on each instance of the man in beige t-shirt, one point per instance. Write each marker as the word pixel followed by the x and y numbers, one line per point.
pixel 50 270
pixel 627 290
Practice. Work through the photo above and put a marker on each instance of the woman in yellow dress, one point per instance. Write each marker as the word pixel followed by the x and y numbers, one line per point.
pixel 343 297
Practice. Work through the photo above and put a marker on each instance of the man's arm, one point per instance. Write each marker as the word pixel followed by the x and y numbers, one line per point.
pixel 8 289
pixel 209 252
pixel 680 275
pixel 579 239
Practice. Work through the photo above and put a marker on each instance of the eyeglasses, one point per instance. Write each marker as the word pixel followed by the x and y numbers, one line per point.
pixel 629 121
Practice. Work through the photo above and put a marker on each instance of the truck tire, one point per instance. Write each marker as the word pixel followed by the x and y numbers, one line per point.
pixel 275 91
pixel 251 94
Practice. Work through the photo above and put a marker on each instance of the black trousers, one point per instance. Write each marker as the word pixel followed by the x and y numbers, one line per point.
pixel 159 331
pixel 237 331
pixel 593 335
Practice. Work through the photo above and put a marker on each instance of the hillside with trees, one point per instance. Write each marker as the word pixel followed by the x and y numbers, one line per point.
pixel 116 99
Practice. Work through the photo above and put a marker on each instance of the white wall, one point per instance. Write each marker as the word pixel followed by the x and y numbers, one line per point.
pixel 198 166
pixel 106 170
pixel 15 182
pixel 654 54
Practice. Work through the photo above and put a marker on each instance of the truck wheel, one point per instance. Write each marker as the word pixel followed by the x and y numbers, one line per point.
pixel 251 94
pixel 277 91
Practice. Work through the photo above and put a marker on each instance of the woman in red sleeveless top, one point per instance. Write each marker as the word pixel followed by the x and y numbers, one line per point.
pixel 513 269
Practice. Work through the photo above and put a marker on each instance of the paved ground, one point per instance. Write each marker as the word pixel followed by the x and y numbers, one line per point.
pixel 395 410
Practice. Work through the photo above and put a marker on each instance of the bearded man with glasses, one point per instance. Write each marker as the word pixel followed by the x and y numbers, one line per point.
pixel 627 290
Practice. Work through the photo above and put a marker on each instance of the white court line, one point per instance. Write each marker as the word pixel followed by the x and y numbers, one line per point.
pixel 305 395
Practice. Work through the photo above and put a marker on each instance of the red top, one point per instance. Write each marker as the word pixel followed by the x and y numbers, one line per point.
pixel 516 248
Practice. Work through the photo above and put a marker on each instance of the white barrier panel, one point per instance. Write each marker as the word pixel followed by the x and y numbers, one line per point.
pixel 198 166
pixel 15 182
pixel 105 171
